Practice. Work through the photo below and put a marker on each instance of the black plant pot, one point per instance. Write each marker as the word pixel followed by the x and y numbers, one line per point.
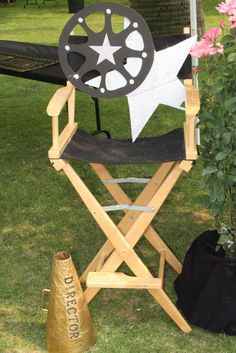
pixel 75 5
pixel 206 288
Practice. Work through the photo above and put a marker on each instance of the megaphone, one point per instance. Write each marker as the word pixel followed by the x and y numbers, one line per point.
pixel 69 324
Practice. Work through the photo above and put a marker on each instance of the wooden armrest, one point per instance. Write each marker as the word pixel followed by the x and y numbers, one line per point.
pixel 192 106
pixel 60 140
pixel 59 100
pixel 192 103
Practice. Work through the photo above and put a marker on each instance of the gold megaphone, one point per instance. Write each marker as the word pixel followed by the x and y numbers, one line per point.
pixel 69 324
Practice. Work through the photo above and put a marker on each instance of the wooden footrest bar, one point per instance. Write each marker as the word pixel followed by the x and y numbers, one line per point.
pixel 120 280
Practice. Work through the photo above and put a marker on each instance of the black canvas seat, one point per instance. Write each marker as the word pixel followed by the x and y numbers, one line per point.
pixel 89 148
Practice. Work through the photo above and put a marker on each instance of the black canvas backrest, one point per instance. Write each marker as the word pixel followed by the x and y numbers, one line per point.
pixel 165 41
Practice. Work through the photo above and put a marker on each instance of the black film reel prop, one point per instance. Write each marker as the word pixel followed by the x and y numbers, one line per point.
pixel 102 52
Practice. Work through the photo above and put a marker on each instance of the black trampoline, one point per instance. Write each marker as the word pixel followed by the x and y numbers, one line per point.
pixel 50 70
pixel 41 63
pixel 38 62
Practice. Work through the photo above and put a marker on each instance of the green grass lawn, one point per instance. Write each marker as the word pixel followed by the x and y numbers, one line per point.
pixel 40 213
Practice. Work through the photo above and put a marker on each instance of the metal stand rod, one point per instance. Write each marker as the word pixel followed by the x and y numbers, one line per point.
pixel 98 120
pixel 193 24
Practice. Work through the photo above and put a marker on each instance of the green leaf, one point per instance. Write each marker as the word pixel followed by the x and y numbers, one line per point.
pixel 233 197
pixel 227 74
pixel 232 178
pixel 220 175
pixel 233 31
pixel 226 137
pixel 230 104
pixel 209 170
pixel 217 89
pixel 218 247
pixel 215 210
pixel 212 124
pixel 206 115
pixel 232 58
pixel 220 156
pixel 227 38
pixel 222 239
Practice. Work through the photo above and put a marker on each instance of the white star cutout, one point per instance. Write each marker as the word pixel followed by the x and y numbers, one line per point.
pixel 105 51
pixel 161 86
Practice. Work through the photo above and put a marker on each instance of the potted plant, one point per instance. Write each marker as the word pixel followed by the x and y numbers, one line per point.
pixel 206 288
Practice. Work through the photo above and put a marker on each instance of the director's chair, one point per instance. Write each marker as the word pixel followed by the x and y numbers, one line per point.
pixel 175 150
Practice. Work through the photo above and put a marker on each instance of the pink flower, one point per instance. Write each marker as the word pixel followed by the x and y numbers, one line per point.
pixel 219 49
pixel 228 7
pixel 232 19
pixel 222 24
pixel 206 48
pixel 212 33
pixel 201 49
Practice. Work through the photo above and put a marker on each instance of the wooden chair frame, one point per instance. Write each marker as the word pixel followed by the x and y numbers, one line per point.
pixel 121 239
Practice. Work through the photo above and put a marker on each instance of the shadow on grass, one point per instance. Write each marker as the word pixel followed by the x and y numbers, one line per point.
pixel 24 329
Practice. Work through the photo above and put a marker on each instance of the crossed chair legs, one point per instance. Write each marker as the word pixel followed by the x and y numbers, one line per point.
pixel 101 272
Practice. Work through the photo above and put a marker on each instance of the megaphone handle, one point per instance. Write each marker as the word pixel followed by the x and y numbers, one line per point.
pixel 43 299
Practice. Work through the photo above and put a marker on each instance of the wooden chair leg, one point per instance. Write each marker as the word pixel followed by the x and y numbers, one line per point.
pixel 155 240
pixel 106 223
pixel 120 196
pixel 166 304
pixel 124 245
pixel 123 248
pixel 105 251
pixel 114 261
pixel 168 186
